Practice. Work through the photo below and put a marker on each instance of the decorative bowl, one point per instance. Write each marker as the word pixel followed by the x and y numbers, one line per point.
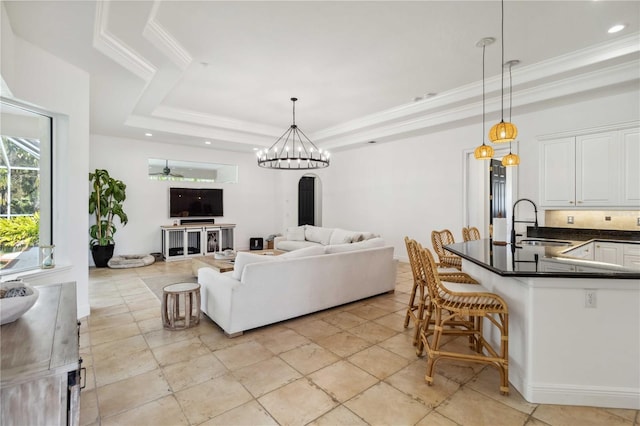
pixel 12 308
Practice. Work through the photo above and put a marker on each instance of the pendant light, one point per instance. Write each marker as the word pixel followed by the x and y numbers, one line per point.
pixel 484 152
pixel 293 151
pixel 503 131
pixel 510 159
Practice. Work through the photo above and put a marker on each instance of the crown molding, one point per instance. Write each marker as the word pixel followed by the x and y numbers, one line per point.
pixel 608 128
pixel 572 62
pixel 164 41
pixel 114 48
pixel 217 122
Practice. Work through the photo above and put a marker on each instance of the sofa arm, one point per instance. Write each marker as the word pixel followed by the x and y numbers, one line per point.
pixel 277 240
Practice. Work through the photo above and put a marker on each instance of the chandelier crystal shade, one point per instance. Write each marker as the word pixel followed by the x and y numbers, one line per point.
pixel 484 152
pixel 503 131
pixel 293 151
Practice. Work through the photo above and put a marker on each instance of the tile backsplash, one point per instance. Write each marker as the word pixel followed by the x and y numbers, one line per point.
pixel 594 219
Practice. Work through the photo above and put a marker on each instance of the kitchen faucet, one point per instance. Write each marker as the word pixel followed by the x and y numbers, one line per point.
pixel 514 221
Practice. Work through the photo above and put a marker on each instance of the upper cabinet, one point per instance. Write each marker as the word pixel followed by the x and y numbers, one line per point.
pixel 591 170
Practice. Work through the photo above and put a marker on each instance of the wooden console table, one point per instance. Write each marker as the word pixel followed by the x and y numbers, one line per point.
pixel 40 364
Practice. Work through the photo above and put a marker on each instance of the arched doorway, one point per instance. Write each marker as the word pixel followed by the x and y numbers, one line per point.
pixel 309 200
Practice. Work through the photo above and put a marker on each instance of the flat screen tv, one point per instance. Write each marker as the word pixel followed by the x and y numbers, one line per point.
pixel 190 202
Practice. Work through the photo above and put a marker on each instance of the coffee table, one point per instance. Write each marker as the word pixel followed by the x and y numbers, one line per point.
pixel 267 252
pixel 221 265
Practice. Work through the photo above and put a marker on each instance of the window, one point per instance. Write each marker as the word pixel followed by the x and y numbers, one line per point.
pixel 25 187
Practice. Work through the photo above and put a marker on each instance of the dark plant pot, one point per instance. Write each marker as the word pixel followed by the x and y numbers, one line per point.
pixel 102 255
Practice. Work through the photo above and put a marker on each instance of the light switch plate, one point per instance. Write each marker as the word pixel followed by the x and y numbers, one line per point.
pixel 570 220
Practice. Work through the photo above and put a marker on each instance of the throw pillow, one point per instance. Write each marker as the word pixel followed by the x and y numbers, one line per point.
pixel 372 243
pixel 303 252
pixel 244 258
pixel 318 234
pixel 295 233
pixel 340 236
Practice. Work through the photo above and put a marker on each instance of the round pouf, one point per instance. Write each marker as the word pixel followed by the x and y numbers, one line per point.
pixel 131 261
pixel 179 297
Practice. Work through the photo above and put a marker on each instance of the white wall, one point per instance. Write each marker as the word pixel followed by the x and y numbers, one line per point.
pixel 35 76
pixel 249 203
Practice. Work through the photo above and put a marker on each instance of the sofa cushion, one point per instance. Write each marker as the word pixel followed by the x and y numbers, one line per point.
pixel 313 250
pixel 287 245
pixel 295 233
pixel 372 243
pixel 367 236
pixel 318 234
pixel 341 236
pixel 244 258
pixel 362 245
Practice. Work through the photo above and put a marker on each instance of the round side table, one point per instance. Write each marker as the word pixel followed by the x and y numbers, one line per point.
pixel 172 318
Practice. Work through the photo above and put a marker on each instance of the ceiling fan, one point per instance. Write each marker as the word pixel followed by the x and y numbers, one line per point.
pixel 166 171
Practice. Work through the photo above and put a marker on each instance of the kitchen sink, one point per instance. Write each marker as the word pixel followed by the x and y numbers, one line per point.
pixel 545 243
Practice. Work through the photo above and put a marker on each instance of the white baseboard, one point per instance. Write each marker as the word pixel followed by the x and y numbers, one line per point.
pixel 593 396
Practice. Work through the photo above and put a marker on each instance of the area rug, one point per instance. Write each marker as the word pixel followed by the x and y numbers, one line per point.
pixel 156 284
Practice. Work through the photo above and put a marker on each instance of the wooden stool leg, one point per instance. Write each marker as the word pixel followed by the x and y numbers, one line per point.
pixel 197 306
pixel 188 300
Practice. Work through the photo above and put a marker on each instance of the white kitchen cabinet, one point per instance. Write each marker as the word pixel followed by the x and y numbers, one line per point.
pixel 630 140
pixel 548 265
pixel 631 256
pixel 609 252
pixel 597 169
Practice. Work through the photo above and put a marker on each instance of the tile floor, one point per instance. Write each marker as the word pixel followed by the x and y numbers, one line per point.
pixel 354 365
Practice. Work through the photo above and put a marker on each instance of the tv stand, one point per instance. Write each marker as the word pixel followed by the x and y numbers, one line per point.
pixel 185 241
pixel 197 221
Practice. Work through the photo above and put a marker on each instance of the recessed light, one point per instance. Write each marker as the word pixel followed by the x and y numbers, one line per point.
pixel 207 142
pixel 148 134
pixel 616 28
pixel 371 142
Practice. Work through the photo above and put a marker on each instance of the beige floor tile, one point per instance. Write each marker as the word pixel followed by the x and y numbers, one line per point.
pixel 343 380
pixel 401 344
pixel 384 405
pixel 339 416
pixel 109 310
pixel 345 320
pixel 378 362
pixel 388 303
pixel 110 321
pixel 315 329
pixel 249 414
pixel 119 332
pixel 343 343
pixel 583 416
pixel 265 376
pixel 161 412
pixel 281 340
pixel 243 354
pixel 470 407
pixel 217 340
pixel 194 371
pixel 410 380
pixel 88 407
pixel 625 414
pixel 488 384
pixel 212 398
pixel 183 350
pixel 534 422
pixel 436 419
pixel 297 403
pixel 118 348
pixel 394 321
pixel 309 358
pixel 123 366
pixel 146 326
pixel 89 378
pixel 162 337
pixel 126 394
pixel 369 311
pixel 372 332
pixel 460 371
pixel 148 313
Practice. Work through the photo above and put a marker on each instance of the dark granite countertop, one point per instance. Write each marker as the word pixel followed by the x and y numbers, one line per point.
pixel 532 261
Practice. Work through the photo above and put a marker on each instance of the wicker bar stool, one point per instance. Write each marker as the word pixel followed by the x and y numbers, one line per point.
pixel 454 302
pixel 439 239
pixel 471 233
pixel 172 294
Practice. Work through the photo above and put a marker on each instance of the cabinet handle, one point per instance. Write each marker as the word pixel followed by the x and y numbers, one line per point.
pixel 579 202
pixel 570 202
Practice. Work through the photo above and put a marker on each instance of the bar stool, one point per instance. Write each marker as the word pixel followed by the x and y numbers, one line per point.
pixel 171 303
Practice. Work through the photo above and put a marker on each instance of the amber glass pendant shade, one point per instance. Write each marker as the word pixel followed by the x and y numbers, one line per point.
pixel 483 152
pixel 510 160
pixel 503 132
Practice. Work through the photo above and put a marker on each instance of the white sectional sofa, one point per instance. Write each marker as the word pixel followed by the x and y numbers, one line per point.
pixel 263 289
pixel 298 237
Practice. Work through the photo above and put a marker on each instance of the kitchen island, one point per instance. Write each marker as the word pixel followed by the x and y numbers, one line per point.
pixel 574 336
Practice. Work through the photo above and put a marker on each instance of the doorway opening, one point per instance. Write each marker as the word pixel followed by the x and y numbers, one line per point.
pixel 309 200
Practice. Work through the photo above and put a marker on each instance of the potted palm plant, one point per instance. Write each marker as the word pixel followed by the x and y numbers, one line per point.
pixel 105 203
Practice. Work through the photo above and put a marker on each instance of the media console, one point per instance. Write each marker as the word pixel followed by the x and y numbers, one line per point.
pixel 180 242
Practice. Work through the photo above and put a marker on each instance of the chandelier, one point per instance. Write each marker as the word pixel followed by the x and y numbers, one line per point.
pixel 503 131
pixel 293 151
